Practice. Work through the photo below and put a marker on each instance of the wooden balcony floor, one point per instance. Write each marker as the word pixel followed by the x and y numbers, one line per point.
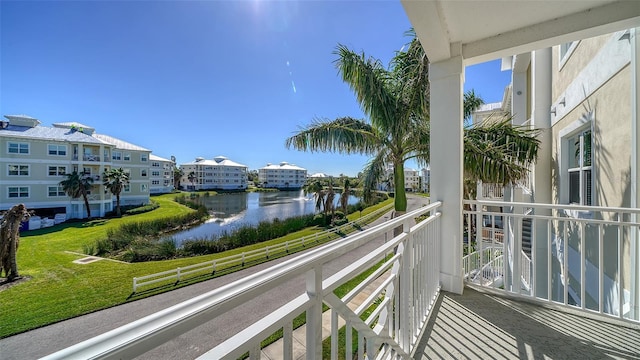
pixel 481 326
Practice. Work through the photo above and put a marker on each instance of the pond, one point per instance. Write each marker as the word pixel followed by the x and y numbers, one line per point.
pixel 229 211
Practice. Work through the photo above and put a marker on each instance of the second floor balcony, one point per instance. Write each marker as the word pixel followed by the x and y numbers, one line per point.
pixel 513 306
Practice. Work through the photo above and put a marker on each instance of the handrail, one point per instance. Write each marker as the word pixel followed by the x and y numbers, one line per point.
pixel 214 265
pixel 144 334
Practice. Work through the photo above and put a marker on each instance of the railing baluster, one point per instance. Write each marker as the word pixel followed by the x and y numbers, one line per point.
pixel 549 263
pixel 620 275
pixel 565 262
pixel 314 314
pixel 600 270
pixel 349 341
pixel 583 265
pixel 334 334
pixel 287 341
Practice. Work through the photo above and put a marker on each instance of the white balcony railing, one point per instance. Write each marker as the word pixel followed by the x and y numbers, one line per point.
pixel 402 303
pixel 584 257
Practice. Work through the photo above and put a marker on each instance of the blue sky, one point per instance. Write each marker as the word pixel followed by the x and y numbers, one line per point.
pixel 200 78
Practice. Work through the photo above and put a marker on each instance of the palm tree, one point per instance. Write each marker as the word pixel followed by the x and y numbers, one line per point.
pixel 344 197
pixel 177 175
pixel 329 200
pixel 396 100
pixel 396 103
pixel 115 180
pixel 76 185
pixel 471 102
pixel 10 240
pixel 317 189
pixel 498 152
pixel 192 179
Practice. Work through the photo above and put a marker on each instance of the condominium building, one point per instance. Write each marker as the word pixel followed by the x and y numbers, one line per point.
pixel 161 175
pixel 217 174
pixel 35 158
pixel 282 176
pixel 426 177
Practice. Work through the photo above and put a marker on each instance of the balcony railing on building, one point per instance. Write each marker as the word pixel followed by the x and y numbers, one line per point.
pixel 578 258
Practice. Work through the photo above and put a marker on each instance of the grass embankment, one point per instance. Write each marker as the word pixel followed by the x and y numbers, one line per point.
pixel 60 289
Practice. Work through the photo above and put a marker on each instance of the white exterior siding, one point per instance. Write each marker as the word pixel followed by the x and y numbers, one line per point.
pixel 217 174
pixel 34 159
pixel 282 176
pixel 161 175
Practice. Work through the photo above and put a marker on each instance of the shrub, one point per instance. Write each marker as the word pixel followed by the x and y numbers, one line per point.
pixel 338 222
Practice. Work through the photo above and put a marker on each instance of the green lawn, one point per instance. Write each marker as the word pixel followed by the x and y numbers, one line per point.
pixel 60 289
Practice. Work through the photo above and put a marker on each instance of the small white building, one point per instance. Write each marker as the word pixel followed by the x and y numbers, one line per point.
pixel 426 174
pixel 282 176
pixel 217 174
pixel 161 175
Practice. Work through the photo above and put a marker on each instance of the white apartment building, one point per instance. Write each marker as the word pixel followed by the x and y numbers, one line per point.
pixel 426 176
pixel 35 158
pixel 161 175
pixel 282 176
pixel 217 174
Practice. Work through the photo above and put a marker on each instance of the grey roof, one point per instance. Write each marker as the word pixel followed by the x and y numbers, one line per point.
pixel 154 157
pixel 120 144
pixel 217 161
pixel 282 166
pixel 48 133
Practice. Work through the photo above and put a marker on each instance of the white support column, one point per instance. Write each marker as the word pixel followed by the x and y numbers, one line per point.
pixel 541 184
pixel 446 79
pixel 314 314
pixel 635 168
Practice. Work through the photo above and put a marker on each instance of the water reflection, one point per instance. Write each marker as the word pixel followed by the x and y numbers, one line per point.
pixel 229 211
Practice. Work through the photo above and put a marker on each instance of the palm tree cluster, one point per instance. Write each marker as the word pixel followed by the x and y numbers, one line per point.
pixel 78 185
pixel 396 102
pixel 325 199
pixel 115 181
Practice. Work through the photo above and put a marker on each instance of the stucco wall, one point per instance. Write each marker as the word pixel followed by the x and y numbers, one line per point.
pixel 579 58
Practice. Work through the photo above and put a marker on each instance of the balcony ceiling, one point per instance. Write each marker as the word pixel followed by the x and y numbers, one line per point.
pixel 486 30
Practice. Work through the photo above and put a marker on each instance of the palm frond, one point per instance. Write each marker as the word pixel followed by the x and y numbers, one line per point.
pixel 369 80
pixel 498 152
pixel 344 135
pixel 373 173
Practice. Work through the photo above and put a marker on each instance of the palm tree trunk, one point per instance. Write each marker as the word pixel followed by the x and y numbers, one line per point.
pixel 400 200
pixel 118 205
pixel 86 203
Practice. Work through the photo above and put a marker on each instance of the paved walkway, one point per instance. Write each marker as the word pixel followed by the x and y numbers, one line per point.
pixel 195 342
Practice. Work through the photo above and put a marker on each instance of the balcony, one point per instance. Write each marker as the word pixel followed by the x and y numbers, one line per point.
pixel 407 316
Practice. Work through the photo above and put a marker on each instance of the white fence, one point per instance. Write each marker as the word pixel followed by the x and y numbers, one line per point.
pixel 241 259
pixel 391 331
pixel 584 257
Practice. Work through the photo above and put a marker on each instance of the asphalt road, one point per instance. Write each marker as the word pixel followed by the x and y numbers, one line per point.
pixel 193 343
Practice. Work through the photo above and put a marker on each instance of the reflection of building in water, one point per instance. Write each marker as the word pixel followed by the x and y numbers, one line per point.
pixel 227 205
pixel 282 176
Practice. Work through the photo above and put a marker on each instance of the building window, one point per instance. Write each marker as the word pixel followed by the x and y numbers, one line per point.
pixel 143 172
pixel 127 188
pixel 18 191
pixel 55 191
pixel 127 156
pixel 57 170
pixel 58 150
pixel 143 157
pixel 155 173
pixel 18 148
pixel 155 164
pixel 116 155
pixel 18 170
pixel 565 51
pixel 580 168
pixel 155 182
pixel 144 187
